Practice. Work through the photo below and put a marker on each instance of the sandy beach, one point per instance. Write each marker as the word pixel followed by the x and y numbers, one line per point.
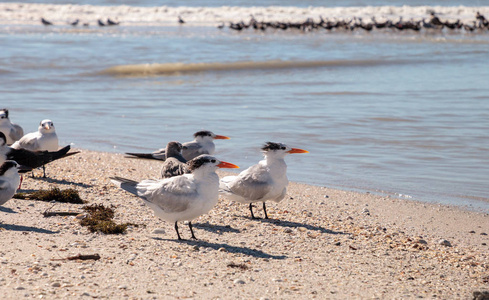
pixel 319 243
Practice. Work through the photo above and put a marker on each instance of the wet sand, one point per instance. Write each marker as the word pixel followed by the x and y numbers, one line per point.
pixel 319 243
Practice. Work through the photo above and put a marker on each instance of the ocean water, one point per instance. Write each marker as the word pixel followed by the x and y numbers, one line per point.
pixel 404 114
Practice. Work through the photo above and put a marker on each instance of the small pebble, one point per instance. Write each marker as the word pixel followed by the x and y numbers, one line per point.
pixel 238 281
pixel 20 288
pixel 444 243
pixel 483 233
pixel 56 284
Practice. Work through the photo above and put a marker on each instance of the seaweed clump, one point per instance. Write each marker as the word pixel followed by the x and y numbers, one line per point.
pixel 66 196
pixel 100 219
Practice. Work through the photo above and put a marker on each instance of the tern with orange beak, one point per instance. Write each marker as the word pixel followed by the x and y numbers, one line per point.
pixel 180 198
pixel 203 143
pixel 265 181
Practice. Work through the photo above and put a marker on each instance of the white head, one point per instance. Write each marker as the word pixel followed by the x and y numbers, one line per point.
pixel 46 126
pixel 279 150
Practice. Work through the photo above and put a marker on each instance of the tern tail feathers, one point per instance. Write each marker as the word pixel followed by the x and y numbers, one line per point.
pixel 36 159
pixel 143 156
pixel 125 184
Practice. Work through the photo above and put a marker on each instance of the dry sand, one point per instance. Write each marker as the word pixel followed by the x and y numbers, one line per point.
pixel 319 243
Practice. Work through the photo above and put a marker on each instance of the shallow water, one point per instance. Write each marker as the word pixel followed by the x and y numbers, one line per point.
pixel 403 114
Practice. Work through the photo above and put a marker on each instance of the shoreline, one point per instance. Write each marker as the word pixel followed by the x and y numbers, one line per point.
pixel 319 243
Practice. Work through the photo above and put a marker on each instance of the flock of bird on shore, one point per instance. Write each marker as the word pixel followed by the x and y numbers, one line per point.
pixel 189 186
pixel 433 22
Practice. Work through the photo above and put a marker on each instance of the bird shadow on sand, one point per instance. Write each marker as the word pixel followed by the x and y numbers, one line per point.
pixel 218 229
pixel 233 249
pixel 13 227
pixel 65 182
pixel 7 210
pixel 291 224
pixel 226 247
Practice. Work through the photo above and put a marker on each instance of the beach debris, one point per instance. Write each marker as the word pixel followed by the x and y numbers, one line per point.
pixel 66 196
pixel 80 257
pixel 239 281
pixel 238 266
pixel 99 219
pixel 444 242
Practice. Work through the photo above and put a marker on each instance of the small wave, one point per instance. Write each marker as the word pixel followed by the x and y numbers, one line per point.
pixel 169 69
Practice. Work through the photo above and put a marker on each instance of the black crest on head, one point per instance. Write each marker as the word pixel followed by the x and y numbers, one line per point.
pixel 270 146
pixel 199 161
pixel 5 111
pixel 203 133
pixel 4 138
pixel 7 165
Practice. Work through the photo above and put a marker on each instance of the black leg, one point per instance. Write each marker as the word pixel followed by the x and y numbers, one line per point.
pixel 176 229
pixel 44 171
pixel 265 210
pixel 251 210
pixel 191 230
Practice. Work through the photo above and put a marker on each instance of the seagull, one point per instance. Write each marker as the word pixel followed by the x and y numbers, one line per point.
pixel 74 23
pixel 9 180
pixel 112 23
pixel 100 23
pixel 180 20
pixel 180 198
pixel 262 182
pixel 12 131
pixel 203 143
pixel 44 139
pixel 175 163
pixel 46 22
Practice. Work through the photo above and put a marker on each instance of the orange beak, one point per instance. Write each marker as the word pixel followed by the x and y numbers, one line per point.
pixel 227 165
pixel 297 150
pixel 221 137
pixel 47 126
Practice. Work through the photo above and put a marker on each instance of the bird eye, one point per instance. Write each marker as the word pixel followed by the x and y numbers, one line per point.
pixel 213 161
pixel 283 148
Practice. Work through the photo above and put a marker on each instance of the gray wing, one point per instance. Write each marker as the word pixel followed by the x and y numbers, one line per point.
pixel 16 133
pixel 170 195
pixel 252 184
pixel 173 167
pixel 191 150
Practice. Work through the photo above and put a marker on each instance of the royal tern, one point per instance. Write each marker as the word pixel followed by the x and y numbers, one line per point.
pixel 175 163
pixel 203 143
pixel 265 181
pixel 180 198
pixel 9 180
pixel 13 132
pixel 44 139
